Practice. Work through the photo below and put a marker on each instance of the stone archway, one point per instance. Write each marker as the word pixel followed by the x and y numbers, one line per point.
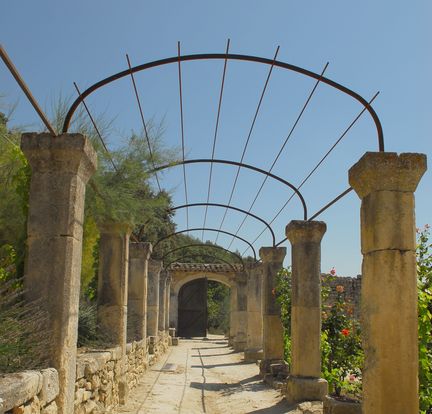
pixel 185 274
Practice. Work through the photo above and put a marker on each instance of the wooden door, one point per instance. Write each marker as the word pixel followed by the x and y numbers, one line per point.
pixel 192 309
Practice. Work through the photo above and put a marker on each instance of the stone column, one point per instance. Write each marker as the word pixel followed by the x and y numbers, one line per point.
pixel 61 167
pixel 113 281
pixel 241 312
pixel 154 269
pixel 162 300
pixel 273 345
pixel 304 383
pixel 253 351
pixel 113 291
pixel 167 301
pixel 139 254
pixel 173 311
pixel 385 183
pixel 233 315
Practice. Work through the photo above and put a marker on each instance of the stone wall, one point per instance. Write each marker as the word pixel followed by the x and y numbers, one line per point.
pixel 351 293
pixel 98 374
pixel 97 380
pixel 29 392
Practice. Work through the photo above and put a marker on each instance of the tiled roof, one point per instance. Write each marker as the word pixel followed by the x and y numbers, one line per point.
pixel 205 267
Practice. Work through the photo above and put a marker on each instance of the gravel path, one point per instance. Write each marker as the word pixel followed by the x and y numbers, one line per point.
pixel 204 376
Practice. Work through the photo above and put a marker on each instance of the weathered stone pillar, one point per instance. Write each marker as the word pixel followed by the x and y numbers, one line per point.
pixel 304 383
pixel 241 312
pixel 113 290
pixel 61 167
pixel 154 269
pixel 139 254
pixel 273 344
pixel 253 351
pixel 385 182
pixel 173 311
pixel 162 300
pixel 167 301
pixel 233 315
pixel 113 281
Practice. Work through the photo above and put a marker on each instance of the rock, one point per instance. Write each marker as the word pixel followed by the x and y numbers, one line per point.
pixel 50 385
pixel 79 395
pixel 18 388
pixel 50 409
pixel 89 406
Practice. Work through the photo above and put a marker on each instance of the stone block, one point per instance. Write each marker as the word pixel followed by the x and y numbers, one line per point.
pixel 175 341
pixel 50 408
pixel 50 385
pixel 253 354
pixel 333 406
pixel 18 388
pixel 392 212
pixel 299 389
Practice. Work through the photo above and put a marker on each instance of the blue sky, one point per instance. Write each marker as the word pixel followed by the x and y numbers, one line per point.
pixel 370 46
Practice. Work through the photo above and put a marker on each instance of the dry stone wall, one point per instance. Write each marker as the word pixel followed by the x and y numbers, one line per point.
pixel 29 392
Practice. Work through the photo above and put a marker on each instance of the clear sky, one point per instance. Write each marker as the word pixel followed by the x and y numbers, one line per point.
pixel 370 46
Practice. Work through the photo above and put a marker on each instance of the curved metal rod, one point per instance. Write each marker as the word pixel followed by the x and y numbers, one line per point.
pixel 207 229
pixel 213 246
pixel 231 208
pixel 208 56
pixel 205 255
pixel 240 164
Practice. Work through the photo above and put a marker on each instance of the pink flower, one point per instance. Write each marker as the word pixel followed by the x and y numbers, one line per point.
pixel 427 226
pixel 333 271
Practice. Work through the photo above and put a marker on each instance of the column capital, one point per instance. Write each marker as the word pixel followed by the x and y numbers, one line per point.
pixel 155 265
pixel 387 171
pixel 112 227
pixel 301 231
pixel 140 250
pixel 69 153
pixel 272 254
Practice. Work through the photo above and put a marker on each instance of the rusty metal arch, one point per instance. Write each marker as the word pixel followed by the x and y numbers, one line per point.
pixel 213 246
pixel 238 164
pixel 207 229
pixel 228 56
pixel 231 208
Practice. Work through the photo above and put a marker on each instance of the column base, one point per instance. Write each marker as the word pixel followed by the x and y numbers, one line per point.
pixel 300 389
pixel 252 355
pixel 266 366
pixel 239 344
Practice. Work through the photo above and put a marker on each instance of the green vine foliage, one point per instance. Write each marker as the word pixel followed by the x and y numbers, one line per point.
pixel 283 298
pixel 424 271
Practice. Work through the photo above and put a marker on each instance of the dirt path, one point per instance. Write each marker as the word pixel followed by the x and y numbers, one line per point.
pixel 204 377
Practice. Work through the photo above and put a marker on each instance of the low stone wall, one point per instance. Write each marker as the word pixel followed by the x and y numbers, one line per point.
pixel 97 381
pixel 138 362
pixel 100 376
pixel 29 392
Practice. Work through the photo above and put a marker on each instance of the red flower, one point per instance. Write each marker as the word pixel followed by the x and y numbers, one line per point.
pixel 345 332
